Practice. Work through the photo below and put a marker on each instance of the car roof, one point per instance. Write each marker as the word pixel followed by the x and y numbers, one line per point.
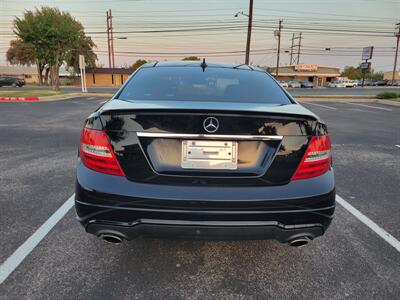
pixel 198 63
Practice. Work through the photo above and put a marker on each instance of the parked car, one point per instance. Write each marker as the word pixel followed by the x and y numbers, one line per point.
pixel 381 83
pixel 222 153
pixel 306 84
pixel 367 83
pixel 294 84
pixel 336 84
pixel 284 84
pixel 11 81
pixel 350 83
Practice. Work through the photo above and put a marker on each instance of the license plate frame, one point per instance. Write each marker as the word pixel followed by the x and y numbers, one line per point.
pixel 209 155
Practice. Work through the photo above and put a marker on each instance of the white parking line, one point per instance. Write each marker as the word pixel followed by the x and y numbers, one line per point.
pixel 325 106
pixel 23 251
pixel 397 146
pixel 368 222
pixel 27 247
pixel 370 106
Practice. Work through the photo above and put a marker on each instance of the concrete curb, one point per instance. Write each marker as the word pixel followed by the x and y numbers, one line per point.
pixel 55 97
pixel 74 95
pixel 19 99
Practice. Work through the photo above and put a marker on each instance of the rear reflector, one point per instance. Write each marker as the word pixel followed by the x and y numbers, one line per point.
pixel 317 160
pixel 96 153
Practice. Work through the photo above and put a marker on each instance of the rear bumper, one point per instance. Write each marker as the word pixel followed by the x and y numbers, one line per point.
pixel 206 230
pixel 113 205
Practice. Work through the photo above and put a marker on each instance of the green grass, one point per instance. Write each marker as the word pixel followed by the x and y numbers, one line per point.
pixel 31 93
pixel 388 95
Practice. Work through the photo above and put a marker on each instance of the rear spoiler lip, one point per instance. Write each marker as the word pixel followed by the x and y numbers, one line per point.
pixel 248 108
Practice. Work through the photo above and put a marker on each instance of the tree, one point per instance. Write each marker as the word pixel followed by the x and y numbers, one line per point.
pixel 20 53
pixel 354 73
pixel 84 47
pixel 53 35
pixel 138 63
pixel 191 58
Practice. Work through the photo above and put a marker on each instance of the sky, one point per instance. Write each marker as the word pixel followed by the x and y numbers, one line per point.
pixel 173 29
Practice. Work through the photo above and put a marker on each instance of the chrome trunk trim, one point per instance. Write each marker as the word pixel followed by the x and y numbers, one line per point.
pixel 167 135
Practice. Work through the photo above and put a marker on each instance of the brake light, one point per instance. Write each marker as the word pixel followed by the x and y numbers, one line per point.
pixel 317 159
pixel 96 152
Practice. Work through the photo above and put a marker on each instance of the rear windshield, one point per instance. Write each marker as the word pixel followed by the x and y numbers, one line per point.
pixel 214 84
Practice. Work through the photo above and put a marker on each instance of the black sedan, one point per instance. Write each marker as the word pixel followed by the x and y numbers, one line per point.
pixel 11 81
pixel 194 150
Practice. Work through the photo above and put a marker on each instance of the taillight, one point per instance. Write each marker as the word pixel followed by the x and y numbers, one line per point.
pixel 317 159
pixel 96 153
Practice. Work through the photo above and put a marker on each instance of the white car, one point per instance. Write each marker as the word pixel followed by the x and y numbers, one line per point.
pixel 350 83
pixel 284 84
pixel 337 84
pixel 294 84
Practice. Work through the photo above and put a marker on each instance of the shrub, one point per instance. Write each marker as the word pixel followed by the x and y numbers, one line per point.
pixel 388 95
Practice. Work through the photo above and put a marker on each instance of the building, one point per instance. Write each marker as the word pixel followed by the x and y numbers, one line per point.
pixel 107 76
pixel 389 75
pixel 318 75
pixel 30 73
pixel 27 73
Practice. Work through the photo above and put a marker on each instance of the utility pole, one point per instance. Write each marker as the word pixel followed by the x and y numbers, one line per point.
pixel 278 33
pixel 298 51
pixel 291 50
pixel 110 40
pixel 397 34
pixel 250 23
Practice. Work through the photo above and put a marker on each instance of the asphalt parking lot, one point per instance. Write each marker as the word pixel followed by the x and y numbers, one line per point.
pixel 37 167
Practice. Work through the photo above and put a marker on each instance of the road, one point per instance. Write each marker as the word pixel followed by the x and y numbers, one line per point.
pixel 37 169
pixel 319 91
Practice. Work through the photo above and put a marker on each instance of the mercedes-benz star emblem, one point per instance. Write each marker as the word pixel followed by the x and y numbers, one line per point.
pixel 211 124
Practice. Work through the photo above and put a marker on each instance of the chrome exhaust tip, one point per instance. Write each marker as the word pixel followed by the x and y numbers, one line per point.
pixel 299 242
pixel 111 238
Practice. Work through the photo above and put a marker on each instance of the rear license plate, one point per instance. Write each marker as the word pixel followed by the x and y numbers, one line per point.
pixel 214 155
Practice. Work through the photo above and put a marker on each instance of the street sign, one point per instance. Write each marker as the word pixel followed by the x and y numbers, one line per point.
pixel 82 64
pixel 365 65
pixel 367 52
pixel 82 67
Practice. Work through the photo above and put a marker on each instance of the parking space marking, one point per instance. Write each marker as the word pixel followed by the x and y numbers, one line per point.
pixel 397 146
pixel 12 262
pixel 325 106
pixel 390 239
pixel 370 106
